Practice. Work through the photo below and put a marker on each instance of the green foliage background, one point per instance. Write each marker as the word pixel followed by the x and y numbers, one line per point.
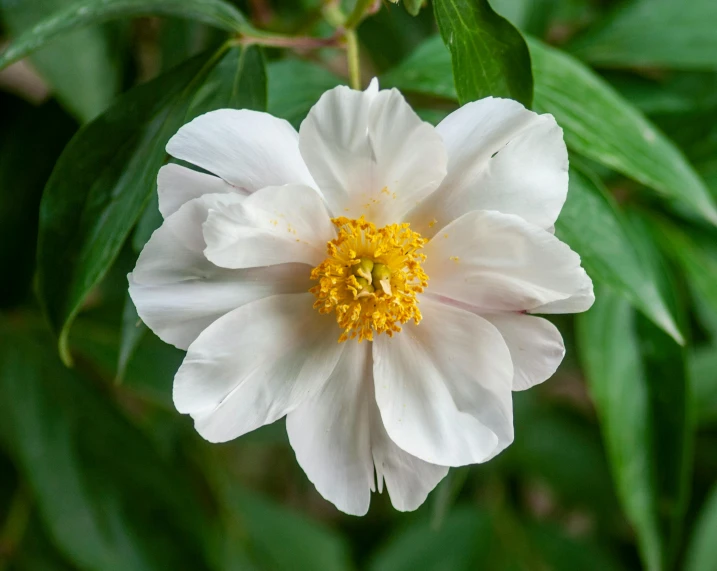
pixel 614 466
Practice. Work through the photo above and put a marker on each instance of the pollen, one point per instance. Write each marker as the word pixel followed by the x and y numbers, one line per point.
pixel 370 278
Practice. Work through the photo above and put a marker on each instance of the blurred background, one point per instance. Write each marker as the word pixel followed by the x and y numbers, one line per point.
pixel 614 463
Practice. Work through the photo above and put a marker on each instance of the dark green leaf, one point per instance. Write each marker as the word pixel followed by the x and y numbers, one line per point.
pixel 83 68
pixel 488 54
pixel 593 227
pixel 639 384
pixel 702 550
pixel 672 429
pixel 464 539
pixel 218 13
pixel 280 539
pixel 427 70
pixel 565 455
pixel 563 553
pixel 108 500
pixel 392 34
pixel 23 174
pixel 703 374
pixel 295 86
pixel 238 81
pixel 131 334
pixel 596 120
pixel 99 187
pixel 647 33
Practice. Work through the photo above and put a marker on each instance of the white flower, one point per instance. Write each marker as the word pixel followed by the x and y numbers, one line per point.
pixel 251 275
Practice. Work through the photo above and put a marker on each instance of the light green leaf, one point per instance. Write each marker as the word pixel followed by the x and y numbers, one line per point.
pixel 107 498
pixel 598 123
pixel 619 390
pixel 218 13
pixel 83 68
pixel 591 224
pixel 648 33
pixel 602 126
pixel 295 86
pixel 641 394
pixel 696 252
pixel 702 549
pixel 489 56
pixel 99 187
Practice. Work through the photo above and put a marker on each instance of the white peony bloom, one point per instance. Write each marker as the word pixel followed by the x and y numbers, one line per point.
pixel 371 278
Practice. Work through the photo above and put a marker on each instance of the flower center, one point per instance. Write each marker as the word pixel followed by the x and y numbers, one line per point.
pixel 370 278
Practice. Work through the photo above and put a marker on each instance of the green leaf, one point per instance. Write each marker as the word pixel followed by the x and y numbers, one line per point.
pixel 83 68
pixel 602 126
pixel 564 553
pixel 638 381
pixel 238 81
pixel 99 187
pixel 696 252
pixel 131 334
pixel 23 174
pixel 702 549
pixel 106 497
pixel 703 374
pixel 426 70
pixel 218 13
pixel 278 538
pixel 488 54
pixel 598 123
pixel 464 538
pixel 591 224
pixel 564 454
pixel 413 7
pixel 649 33
pixel 295 86
pixel 619 390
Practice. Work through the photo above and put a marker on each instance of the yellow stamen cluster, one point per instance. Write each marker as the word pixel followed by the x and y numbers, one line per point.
pixel 370 278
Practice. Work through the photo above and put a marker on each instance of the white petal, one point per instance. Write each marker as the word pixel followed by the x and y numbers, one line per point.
pixel 536 347
pixel 256 364
pixel 275 225
pixel 580 301
pixel 330 433
pixel 501 157
pixel 177 184
pixel 179 293
pixel 338 436
pixel 499 262
pixel 409 480
pixel 248 149
pixel 370 153
pixel 444 387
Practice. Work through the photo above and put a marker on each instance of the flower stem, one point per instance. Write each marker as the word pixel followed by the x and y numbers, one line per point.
pixel 296 42
pixel 352 54
pixel 360 9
